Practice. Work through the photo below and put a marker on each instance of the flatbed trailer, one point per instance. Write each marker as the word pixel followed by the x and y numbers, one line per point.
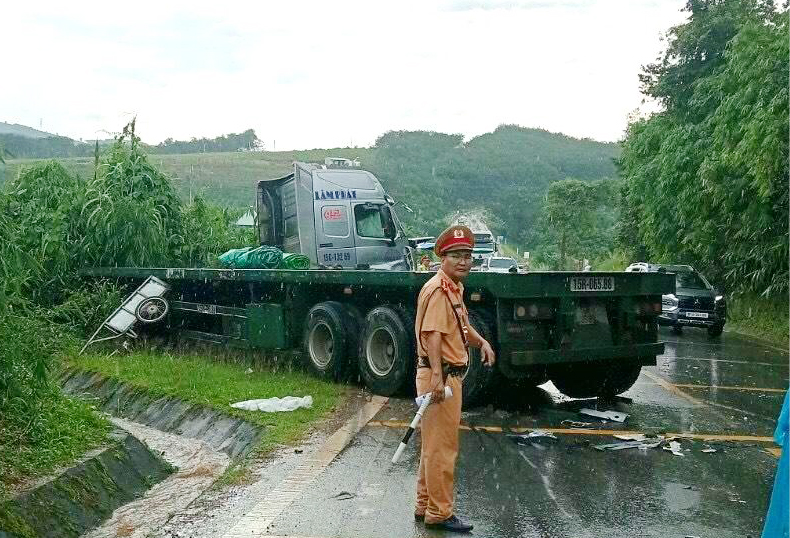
pixel 589 332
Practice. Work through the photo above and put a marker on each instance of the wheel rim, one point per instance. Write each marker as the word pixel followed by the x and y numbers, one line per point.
pixel 321 344
pixel 381 351
pixel 152 310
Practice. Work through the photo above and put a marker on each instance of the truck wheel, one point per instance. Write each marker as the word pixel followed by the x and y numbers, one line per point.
pixel 588 380
pixel 619 378
pixel 478 378
pixel 326 341
pixel 387 349
pixel 715 330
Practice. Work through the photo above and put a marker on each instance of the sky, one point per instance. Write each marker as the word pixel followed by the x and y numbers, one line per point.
pixel 321 74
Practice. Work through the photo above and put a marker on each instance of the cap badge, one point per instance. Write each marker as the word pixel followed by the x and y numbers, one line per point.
pixel 458 234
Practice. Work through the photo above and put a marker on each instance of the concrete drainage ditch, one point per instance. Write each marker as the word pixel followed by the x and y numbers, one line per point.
pixel 233 436
pixel 165 453
pixel 81 497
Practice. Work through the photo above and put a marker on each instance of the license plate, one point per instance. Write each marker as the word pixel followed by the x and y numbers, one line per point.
pixel 702 315
pixel 592 283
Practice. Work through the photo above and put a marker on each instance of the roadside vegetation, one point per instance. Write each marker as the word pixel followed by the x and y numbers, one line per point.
pixel 219 380
pixel 52 223
pixel 705 180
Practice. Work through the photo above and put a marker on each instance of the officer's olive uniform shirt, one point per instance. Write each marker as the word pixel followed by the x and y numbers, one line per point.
pixel 435 313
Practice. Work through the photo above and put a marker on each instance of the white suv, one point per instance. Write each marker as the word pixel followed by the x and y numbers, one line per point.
pixel 499 264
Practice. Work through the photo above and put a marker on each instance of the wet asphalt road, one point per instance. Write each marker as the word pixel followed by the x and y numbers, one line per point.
pixel 729 387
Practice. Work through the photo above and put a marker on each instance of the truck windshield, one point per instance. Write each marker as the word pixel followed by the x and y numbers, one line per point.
pixel 504 263
pixel 690 281
pixel 373 222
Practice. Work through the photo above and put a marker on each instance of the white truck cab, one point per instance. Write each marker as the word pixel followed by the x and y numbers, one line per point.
pixel 334 216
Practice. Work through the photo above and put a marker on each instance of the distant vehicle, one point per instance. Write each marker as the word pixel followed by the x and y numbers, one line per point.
pixel 485 244
pixel 499 264
pixel 695 302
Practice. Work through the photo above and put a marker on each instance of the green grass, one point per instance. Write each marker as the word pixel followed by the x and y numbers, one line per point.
pixel 55 433
pixel 226 179
pixel 217 383
pixel 765 318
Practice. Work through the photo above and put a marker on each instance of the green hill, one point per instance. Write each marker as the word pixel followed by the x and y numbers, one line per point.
pixel 504 173
pixel 22 130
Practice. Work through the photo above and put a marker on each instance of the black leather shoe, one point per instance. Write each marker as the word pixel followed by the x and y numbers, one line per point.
pixel 419 517
pixel 452 524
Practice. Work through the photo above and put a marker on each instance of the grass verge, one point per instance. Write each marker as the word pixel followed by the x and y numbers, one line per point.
pixel 35 440
pixel 218 382
pixel 765 318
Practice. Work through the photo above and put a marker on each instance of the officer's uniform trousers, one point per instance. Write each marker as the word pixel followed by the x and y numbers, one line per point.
pixel 439 437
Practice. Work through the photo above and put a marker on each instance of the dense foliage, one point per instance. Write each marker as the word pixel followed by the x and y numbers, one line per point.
pixel 506 173
pixel 24 147
pixel 247 140
pixel 577 222
pixel 706 179
pixel 21 146
pixel 52 223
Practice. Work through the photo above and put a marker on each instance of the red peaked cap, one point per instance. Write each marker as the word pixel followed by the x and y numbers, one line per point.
pixel 454 238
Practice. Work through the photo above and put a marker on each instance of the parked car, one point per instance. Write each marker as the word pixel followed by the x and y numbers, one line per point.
pixel 499 264
pixel 695 302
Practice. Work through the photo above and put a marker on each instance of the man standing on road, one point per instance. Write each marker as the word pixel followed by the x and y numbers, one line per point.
pixel 443 336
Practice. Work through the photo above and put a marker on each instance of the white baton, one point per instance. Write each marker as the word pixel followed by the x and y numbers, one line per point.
pixel 423 401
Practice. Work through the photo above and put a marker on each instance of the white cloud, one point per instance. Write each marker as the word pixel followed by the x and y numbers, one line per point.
pixel 321 74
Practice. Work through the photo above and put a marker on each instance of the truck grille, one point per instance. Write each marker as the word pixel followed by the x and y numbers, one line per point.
pixel 695 303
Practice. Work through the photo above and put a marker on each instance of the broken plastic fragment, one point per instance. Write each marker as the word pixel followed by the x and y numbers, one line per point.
pixel 523 438
pixel 641 445
pixel 576 424
pixel 605 415
pixel 673 447
pixel 631 437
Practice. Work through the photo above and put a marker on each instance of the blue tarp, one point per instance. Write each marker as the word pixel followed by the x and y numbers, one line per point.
pixel 776 521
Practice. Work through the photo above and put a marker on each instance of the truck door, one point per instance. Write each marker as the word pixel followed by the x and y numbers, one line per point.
pixel 375 234
pixel 334 237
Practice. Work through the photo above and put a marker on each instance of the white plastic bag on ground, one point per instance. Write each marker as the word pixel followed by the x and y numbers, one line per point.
pixel 273 405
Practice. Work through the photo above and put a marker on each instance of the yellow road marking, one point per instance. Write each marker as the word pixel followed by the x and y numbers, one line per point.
pixel 585 431
pixel 723 387
pixel 776 452
pixel 783 364
pixel 671 388
pixel 257 520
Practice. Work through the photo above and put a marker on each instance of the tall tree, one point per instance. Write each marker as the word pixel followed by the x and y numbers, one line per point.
pixel 706 179
pixel 568 214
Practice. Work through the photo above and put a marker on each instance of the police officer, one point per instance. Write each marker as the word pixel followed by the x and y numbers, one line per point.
pixel 443 336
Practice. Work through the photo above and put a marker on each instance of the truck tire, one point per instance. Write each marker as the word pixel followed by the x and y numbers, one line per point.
pixel 328 341
pixel 715 331
pixel 595 379
pixel 387 350
pixel 478 379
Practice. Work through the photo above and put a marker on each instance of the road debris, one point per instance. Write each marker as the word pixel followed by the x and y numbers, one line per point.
pixel 576 424
pixel 273 405
pixel 614 416
pixel 526 438
pixel 344 496
pixel 708 450
pixel 674 447
pixel 631 437
pixel 641 445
